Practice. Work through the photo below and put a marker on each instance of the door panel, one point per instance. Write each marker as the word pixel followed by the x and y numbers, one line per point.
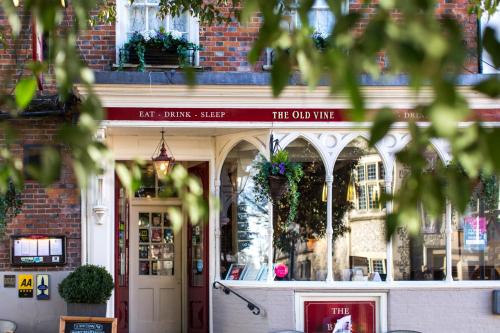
pixel 121 257
pixel 155 271
pixel 197 265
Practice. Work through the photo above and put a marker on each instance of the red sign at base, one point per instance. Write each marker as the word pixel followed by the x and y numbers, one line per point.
pixel 340 317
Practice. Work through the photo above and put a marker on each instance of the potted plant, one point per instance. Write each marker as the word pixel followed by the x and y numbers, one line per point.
pixel 157 48
pixel 277 179
pixel 86 291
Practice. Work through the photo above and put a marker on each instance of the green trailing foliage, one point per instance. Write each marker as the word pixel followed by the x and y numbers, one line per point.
pixel 88 284
pixel 280 165
pixel 10 206
pixel 172 41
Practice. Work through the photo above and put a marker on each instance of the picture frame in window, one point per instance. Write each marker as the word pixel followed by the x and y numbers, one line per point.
pixel 251 273
pixel 235 272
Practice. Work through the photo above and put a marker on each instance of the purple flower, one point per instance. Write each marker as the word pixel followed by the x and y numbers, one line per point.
pixel 282 168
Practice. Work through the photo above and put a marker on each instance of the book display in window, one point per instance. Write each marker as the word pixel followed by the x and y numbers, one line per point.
pixel 235 272
pixel 156 245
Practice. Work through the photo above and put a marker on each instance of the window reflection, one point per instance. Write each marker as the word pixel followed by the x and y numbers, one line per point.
pixel 301 246
pixel 476 234
pixel 243 220
pixel 359 252
pixel 421 256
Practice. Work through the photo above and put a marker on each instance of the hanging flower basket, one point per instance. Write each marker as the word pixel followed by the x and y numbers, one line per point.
pixel 278 180
pixel 278 185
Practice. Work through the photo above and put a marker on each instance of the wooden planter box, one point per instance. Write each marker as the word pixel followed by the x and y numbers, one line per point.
pixel 155 55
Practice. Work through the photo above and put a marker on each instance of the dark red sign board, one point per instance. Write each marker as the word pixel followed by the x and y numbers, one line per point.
pixel 265 114
pixel 340 317
pixel 223 114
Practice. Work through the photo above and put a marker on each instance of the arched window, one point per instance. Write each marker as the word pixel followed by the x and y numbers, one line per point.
pixel 421 256
pixel 243 220
pixel 301 245
pixel 358 218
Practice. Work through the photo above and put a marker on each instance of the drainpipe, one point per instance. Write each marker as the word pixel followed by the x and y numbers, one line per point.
pixel 479 46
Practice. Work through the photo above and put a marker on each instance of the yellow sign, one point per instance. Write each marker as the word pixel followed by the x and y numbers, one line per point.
pixel 25 285
pixel 25 281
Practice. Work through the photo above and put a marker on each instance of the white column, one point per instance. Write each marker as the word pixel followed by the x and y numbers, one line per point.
pixel 217 233
pixel 100 203
pixel 329 229
pixel 449 275
pixel 270 249
pixel 389 207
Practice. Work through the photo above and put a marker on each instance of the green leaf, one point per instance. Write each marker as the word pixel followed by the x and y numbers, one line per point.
pixel 489 87
pixel 24 91
pixel 492 45
pixel 280 73
pixel 381 125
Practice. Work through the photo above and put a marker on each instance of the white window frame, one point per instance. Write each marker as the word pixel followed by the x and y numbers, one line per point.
pixel 123 26
pixel 268 61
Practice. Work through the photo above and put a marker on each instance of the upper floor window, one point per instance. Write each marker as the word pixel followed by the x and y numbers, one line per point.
pixel 142 16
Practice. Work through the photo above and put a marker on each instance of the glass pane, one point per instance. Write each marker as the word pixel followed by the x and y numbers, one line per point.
pixel 165 268
pixel 148 182
pixel 143 267
pixel 144 235
pixel 244 219
pixel 154 21
pixel 179 23
pixel 361 172
pixel 421 256
pixel 197 256
pixel 143 219
pixel 143 252
pixel 372 171
pixel 156 235
pixel 359 250
pixel 156 219
pixel 137 18
pixel 475 235
pixel 301 245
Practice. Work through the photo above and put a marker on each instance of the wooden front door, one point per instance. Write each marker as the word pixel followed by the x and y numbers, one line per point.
pixel 197 265
pixel 155 271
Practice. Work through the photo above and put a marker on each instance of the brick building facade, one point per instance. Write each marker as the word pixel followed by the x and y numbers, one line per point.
pixel 229 117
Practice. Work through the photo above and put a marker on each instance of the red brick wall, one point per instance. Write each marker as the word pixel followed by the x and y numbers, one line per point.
pixel 54 210
pixel 225 46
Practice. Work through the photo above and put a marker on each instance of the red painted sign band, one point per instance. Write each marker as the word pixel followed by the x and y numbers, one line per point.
pixel 340 317
pixel 223 114
pixel 264 115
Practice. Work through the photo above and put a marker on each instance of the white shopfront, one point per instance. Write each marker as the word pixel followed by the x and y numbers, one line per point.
pixel 350 264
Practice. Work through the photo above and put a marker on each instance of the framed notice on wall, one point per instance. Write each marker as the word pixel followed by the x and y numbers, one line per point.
pixel 341 313
pixel 38 250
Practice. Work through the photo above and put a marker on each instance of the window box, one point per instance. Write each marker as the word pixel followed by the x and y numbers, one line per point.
pixel 155 55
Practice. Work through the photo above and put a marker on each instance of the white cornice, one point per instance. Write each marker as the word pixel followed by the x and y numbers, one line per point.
pixel 232 96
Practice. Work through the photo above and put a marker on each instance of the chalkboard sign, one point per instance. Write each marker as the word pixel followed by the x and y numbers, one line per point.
pixel 69 324
pixel 38 250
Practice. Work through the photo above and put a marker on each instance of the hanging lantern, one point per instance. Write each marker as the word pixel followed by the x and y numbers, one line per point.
pixel 163 163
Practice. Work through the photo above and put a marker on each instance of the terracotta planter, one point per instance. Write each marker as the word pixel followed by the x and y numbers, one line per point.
pixel 155 55
pixel 278 185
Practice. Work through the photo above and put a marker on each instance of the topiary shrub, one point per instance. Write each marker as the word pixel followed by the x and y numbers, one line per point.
pixel 88 284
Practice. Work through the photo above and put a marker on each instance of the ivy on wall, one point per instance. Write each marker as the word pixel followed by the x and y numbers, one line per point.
pixel 10 206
